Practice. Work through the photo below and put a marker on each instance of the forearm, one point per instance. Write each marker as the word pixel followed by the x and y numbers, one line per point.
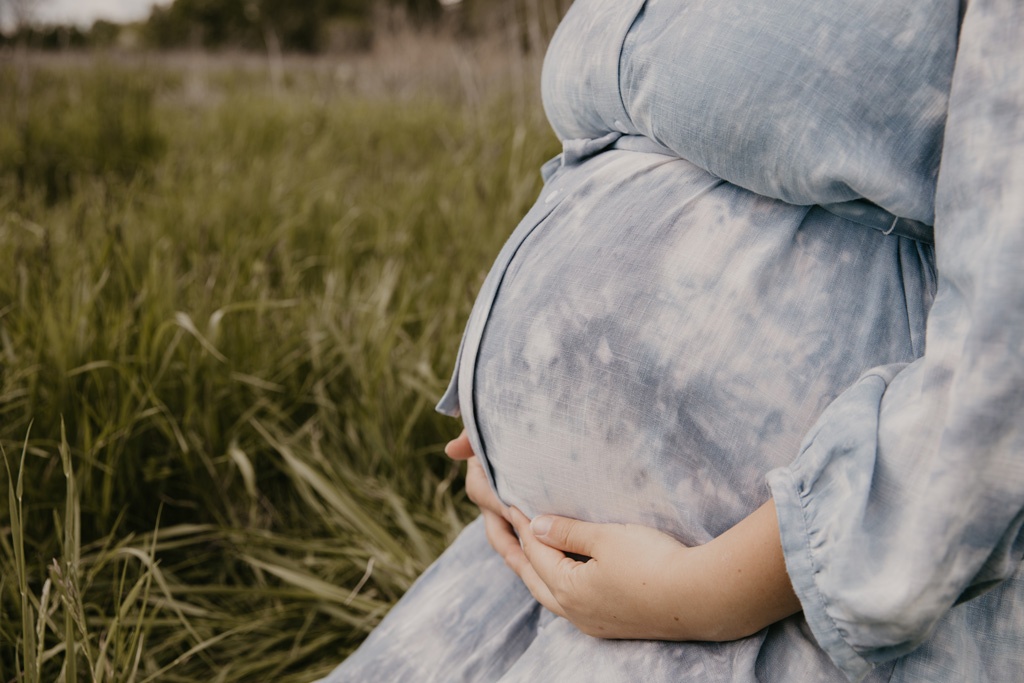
pixel 736 584
pixel 640 583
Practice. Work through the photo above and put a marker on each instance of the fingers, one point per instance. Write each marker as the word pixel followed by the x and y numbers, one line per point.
pixel 518 562
pixel 501 537
pixel 479 489
pixel 550 565
pixel 459 448
pixel 501 534
pixel 538 589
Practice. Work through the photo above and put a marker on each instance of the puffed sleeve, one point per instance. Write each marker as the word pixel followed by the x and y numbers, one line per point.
pixel 907 496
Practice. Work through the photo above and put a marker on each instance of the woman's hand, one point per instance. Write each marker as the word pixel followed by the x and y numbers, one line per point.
pixel 497 516
pixel 641 583
pixel 632 586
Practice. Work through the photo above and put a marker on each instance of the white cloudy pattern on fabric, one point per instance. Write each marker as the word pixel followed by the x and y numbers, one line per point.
pixel 678 324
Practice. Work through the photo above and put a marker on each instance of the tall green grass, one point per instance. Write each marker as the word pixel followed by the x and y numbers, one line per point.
pixel 222 332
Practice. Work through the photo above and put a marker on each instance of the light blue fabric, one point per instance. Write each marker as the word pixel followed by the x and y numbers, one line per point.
pixel 678 320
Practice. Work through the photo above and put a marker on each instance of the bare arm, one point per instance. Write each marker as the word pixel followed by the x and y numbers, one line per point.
pixel 752 589
pixel 643 584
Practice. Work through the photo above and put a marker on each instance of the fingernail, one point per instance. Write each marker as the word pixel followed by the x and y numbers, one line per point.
pixel 540 526
pixel 447 448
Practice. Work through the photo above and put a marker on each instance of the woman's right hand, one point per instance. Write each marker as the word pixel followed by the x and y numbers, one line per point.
pixel 497 516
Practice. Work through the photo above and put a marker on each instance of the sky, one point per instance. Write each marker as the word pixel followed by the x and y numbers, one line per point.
pixel 84 12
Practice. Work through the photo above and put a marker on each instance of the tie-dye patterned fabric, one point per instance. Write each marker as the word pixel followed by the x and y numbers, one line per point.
pixel 685 314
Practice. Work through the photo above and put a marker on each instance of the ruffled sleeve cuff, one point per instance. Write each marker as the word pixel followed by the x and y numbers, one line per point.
pixel 816 497
pixel 796 539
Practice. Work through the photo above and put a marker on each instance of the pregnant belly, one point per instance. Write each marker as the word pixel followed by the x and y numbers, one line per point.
pixel 663 339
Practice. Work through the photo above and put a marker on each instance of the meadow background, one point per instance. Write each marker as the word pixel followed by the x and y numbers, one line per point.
pixel 232 287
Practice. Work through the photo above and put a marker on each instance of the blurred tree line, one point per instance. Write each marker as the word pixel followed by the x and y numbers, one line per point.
pixel 310 26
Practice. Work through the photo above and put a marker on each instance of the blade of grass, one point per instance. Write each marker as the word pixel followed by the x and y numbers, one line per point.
pixel 69 571
pixel 15 492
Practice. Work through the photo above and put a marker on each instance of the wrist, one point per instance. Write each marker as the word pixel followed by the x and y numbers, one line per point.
pixel 703 606
pixel 736 584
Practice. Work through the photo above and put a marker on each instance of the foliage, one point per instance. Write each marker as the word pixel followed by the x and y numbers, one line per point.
pixel 46 37
pixel 312 26
pixel 54 138
pixel 252 24
pixel 217 369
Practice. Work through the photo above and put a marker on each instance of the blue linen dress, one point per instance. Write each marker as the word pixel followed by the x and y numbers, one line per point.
pixel 727 290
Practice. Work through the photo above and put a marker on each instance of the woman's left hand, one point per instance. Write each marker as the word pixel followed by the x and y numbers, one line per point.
pixel 640 583
pixel 629 588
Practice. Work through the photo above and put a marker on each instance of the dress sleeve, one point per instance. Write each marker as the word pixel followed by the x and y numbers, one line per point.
pixel 907 496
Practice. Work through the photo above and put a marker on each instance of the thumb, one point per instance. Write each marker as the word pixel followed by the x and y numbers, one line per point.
pixel 568 535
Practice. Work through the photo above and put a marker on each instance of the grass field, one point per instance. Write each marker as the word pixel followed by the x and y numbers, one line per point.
pixel 230 294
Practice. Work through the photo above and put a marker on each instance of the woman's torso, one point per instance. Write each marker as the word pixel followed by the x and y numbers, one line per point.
pixel 670 318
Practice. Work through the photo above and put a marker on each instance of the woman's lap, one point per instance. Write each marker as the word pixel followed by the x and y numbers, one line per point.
pixel 469 619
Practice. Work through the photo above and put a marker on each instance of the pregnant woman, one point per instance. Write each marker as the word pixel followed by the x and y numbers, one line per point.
pixel 762 335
